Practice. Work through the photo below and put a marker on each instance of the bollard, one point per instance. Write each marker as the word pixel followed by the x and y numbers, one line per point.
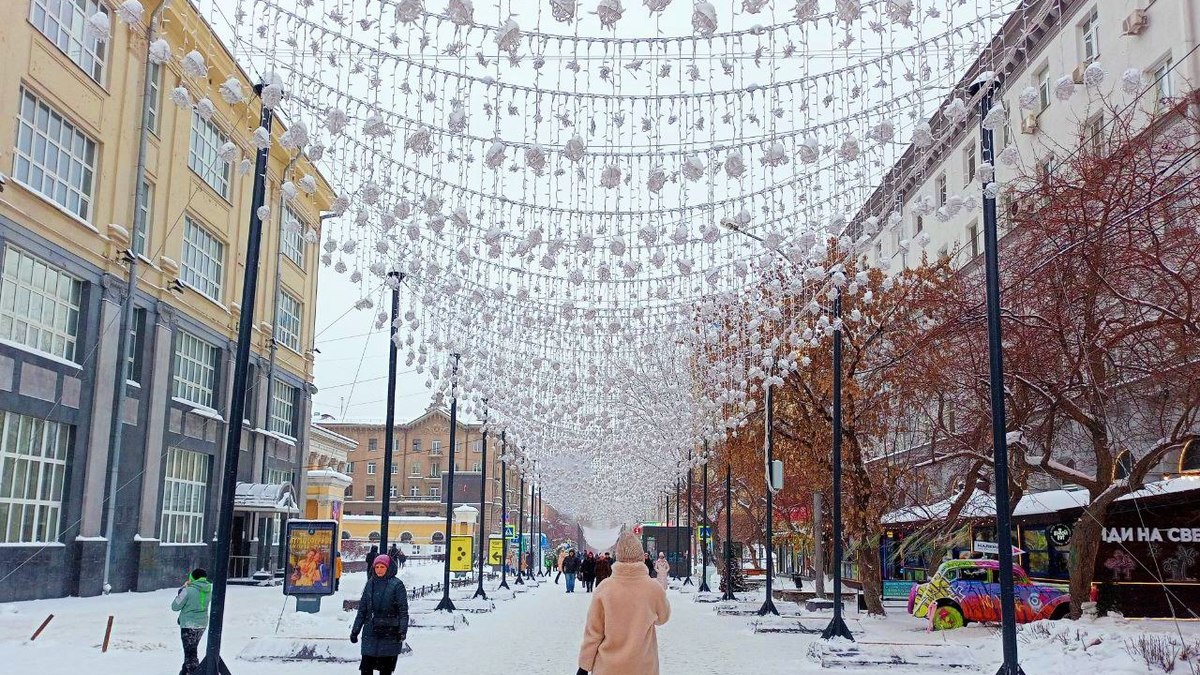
pixel 107 635
pixel 41 628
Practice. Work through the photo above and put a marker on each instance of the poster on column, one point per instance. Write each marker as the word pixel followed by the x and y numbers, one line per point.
pixel 495 550
pixel 309 555
pixel 460 552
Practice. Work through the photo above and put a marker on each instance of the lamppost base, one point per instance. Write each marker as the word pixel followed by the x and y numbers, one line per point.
pixel 207 669
pixel 446 605
pixel 768 607
pixel 503 584
pixel 688 581
pixel 837 628
pixel 480 593
pixel 1010 669
pixel 728 595
pixel 519 581
pixel 704 587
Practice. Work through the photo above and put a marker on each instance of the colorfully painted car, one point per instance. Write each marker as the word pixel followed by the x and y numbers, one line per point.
pixel 963 591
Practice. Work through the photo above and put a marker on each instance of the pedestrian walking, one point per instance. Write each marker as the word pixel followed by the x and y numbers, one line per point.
pixel 337 570
pixel 649 565
pixel 603 568
pixel 587 571
pixel 192 604
pixel 371 555
pixel 382 619
pixel 570 567
pixel 662 569
pixel 401 559
pixel 562 555
pixel 620 637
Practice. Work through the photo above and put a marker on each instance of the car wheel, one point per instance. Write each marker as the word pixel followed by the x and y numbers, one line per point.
pixel 947 617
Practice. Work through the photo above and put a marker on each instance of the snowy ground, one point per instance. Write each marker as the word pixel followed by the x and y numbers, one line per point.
pixel 538 633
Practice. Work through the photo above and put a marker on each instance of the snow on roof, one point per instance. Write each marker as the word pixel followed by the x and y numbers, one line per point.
pixel 264 497
pixel 983 505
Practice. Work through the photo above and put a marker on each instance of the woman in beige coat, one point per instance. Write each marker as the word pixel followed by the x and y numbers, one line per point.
pixel 662 568
pixel 620 636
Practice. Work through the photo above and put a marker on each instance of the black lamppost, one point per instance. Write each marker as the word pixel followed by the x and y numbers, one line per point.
pixel 675 533
pixel 541 554
pixel 479 592
pixel 704 526
pixel 837 625
pixel 768 606
pixel 520 533
pixel 446 603
pixel 1008 614
pixel 503 509
pixel 389 435
pixel 529 569
pixel 688 532
pixel 237 408
pixel 728 594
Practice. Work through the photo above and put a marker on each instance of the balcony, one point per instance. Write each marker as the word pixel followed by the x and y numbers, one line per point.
pixel 420 498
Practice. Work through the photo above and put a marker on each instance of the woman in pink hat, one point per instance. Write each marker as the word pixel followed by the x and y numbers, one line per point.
pixel 382 619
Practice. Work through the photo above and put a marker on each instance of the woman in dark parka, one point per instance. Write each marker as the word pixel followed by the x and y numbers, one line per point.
pixel 382 619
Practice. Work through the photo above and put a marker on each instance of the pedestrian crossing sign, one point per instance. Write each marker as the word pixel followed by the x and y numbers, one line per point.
pixel 704 533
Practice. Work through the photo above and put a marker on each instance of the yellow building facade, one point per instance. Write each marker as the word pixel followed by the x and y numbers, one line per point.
pixel 71 116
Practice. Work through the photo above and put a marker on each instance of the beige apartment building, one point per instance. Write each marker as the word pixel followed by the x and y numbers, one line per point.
pixel 421 457
pixel 71 123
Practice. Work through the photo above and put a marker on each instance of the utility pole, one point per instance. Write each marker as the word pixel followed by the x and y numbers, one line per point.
pixel 479 592
pixel 503 509
pixel 704 524
pixel 768 606
pixel 389 435
pixel 728 594
pixel 446 603
pixel 837 625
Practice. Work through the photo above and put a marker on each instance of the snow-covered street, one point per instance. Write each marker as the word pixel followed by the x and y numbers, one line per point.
pixel 538 631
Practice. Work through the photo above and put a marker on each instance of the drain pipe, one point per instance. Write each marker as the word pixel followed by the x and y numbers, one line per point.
pixel 117 425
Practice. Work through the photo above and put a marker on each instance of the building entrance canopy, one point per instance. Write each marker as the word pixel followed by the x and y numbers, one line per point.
pixel 259 497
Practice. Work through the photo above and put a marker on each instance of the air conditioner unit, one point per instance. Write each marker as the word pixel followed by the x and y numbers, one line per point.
pixel 1135 23
pixel 1029 124
pixel 1077 74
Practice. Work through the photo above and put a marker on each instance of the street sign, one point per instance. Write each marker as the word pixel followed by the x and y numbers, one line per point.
pixel 637 530
pixel 1060 535
pixel 511 532
pixel 495 548
pixel 992 548
pixel 545 542
pixel 460 553
pixel 704 533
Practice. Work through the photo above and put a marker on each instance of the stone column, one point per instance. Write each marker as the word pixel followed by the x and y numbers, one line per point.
pixel 156 420
pixel 96 469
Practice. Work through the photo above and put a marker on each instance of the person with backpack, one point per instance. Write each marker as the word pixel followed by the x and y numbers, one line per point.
pixel 382 619
pixel 192 604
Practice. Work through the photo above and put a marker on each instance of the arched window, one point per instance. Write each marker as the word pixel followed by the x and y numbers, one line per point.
pixel 1123 466
pixel 345 534
pixel 374 536
pixel 438 538
pixel 406 537
pixel 1189 457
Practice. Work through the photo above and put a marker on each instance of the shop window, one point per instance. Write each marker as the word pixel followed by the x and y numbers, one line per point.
pixel 1123 466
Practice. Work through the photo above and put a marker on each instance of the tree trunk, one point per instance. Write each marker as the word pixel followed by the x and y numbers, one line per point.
pixel 870 574
pixel 1085 547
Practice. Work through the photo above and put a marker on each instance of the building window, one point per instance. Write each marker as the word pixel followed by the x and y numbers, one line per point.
pixel 919 225
pixel 63 22
pixel 349 467
pixel 39 305
pixel 136 344
pixel 1042 80
pixel 370 489
pixel 291 237
pixel 195 370
pixel 435 492
pixel 33 469
pixel 145 205
pixel 475 467
pixel 1189 458
pixel 287 321
pixel 394 468
pixel 185 490
pixel 154 105
pixel 54 158
pixel 1123 466
pixel 1164 85
pixel 206 141
pixel 203 260
pixel 1089 35
pixel 283 409
pixel 435 471
pixel 477 446
pixel 415 470
pixel 392 491
pixel 416 445
pixel 969 164
pixel 1093 134
pixel 941 189
pixel 973 239
pixel 435 447
pixel 414 490
pixel 349 493
pixel 370 468
pixel 372 444
pixel 280 477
